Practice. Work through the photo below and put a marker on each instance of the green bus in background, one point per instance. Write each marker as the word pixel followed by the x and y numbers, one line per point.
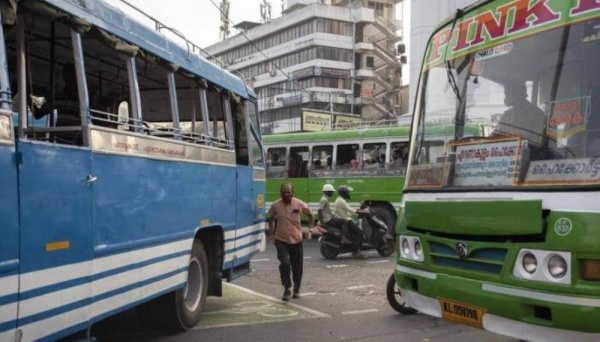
pixel 503 231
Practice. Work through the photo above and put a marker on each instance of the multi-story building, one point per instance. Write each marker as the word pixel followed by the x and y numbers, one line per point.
pixel 331 60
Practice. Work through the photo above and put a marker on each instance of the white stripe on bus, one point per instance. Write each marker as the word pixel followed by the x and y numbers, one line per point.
pixel 57 299
pixel 9 285
pixel 243 241
pixel 9 335
pixel 7 313
pixel 242 252
pixel 547 297
pixel 51 276
pixel 230 234
pixel 54 324
pixel 575 202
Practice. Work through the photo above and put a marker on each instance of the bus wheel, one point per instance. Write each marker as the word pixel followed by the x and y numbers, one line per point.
pixel 329 252
pixel 183 307
pixel 395 298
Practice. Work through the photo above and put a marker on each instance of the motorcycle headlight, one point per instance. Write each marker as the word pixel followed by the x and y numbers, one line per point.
pixel 529 263
pixel 557 266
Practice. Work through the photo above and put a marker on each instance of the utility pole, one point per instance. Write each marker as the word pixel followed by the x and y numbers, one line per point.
pixel 224 28
pixel 265 11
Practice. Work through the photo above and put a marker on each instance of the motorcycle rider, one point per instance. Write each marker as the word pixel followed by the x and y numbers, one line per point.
pixel 326 215
pixel 344 211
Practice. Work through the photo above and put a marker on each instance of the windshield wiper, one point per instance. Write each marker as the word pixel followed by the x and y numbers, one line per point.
pixel 451 78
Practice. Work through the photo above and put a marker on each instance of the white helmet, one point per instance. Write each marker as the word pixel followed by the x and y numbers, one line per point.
pixel 328 187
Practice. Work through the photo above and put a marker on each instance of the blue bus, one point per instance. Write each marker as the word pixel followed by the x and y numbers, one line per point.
pixel 131 169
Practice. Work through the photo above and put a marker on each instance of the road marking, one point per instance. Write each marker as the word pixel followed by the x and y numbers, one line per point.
pixel 308 294
pixel 377 262
pixel 299 307
pixel 257 260
pixel 358 287
pixel 307 257
pixel 336 266
pixel 359 312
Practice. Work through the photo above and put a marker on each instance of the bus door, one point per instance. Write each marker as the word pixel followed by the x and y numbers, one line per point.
pixel 9 226
pixel 55 185
pixel 245 201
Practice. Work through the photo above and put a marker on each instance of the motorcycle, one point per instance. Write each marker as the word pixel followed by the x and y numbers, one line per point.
pixel 376 235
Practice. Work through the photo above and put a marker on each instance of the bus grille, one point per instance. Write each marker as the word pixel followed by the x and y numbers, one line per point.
pixel 489 260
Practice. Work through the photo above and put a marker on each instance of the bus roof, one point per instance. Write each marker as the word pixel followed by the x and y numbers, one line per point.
pixel 113 20
pixel 337 135
pixel 474 129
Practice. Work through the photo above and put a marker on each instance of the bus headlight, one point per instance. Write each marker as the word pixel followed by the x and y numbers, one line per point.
pixel 418 248
pixel 529 263
pixel 557 266
pixel 405 247
pixel 410 248
pixel 542 265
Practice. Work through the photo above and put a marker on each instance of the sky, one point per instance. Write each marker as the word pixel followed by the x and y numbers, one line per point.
pixel 199 20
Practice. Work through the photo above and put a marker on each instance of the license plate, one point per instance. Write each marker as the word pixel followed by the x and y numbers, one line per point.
pixel 461 312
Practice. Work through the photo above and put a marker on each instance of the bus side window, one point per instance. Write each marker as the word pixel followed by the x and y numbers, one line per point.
pixel 347 155
pixel 298 163
pixel 321 156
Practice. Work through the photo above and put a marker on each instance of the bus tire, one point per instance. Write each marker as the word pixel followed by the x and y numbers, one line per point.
pixel 395 298
pixel 329 252
pixel 182 308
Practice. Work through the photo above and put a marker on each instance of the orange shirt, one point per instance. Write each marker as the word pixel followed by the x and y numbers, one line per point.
pixel 287 220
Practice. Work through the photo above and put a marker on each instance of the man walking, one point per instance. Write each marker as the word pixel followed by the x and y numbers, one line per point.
pixel 284 227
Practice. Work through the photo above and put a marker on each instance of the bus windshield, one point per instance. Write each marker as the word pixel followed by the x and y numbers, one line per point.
pixel 535 97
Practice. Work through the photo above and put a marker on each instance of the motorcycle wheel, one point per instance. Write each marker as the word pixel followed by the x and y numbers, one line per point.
pixel 387 248
pixel 328 251
pixel 395 298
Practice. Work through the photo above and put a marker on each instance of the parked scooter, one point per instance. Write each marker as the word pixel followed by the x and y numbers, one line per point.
pixel 376 235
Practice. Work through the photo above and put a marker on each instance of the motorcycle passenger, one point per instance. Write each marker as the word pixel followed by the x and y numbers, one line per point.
pixel 343 210
pixel 326 215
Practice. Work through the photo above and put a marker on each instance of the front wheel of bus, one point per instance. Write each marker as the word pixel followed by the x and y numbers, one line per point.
pixel 395 298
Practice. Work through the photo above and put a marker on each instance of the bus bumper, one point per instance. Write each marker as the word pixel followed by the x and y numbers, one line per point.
pixel 437 290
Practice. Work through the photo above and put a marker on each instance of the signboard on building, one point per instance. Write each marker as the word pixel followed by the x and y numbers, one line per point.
pixel 346 122
pixel 315 122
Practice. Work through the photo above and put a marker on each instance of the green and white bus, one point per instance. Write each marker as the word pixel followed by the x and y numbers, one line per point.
pixel 503 231
pixel 310 159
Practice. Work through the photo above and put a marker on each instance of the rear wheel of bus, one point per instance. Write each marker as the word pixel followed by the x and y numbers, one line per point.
pixel 180 310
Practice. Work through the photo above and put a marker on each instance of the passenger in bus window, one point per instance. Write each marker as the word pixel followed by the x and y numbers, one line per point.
pixel 382 160
pixel 396 158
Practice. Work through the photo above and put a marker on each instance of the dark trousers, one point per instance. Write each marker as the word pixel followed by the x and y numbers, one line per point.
pixel 291 258
pixel 349 229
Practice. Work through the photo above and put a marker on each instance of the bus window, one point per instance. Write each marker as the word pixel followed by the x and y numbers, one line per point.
pixel 321 157
pixel 399 151
pixel 373 155
pixel 276 156
pixel 298 166
pixel 347 156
